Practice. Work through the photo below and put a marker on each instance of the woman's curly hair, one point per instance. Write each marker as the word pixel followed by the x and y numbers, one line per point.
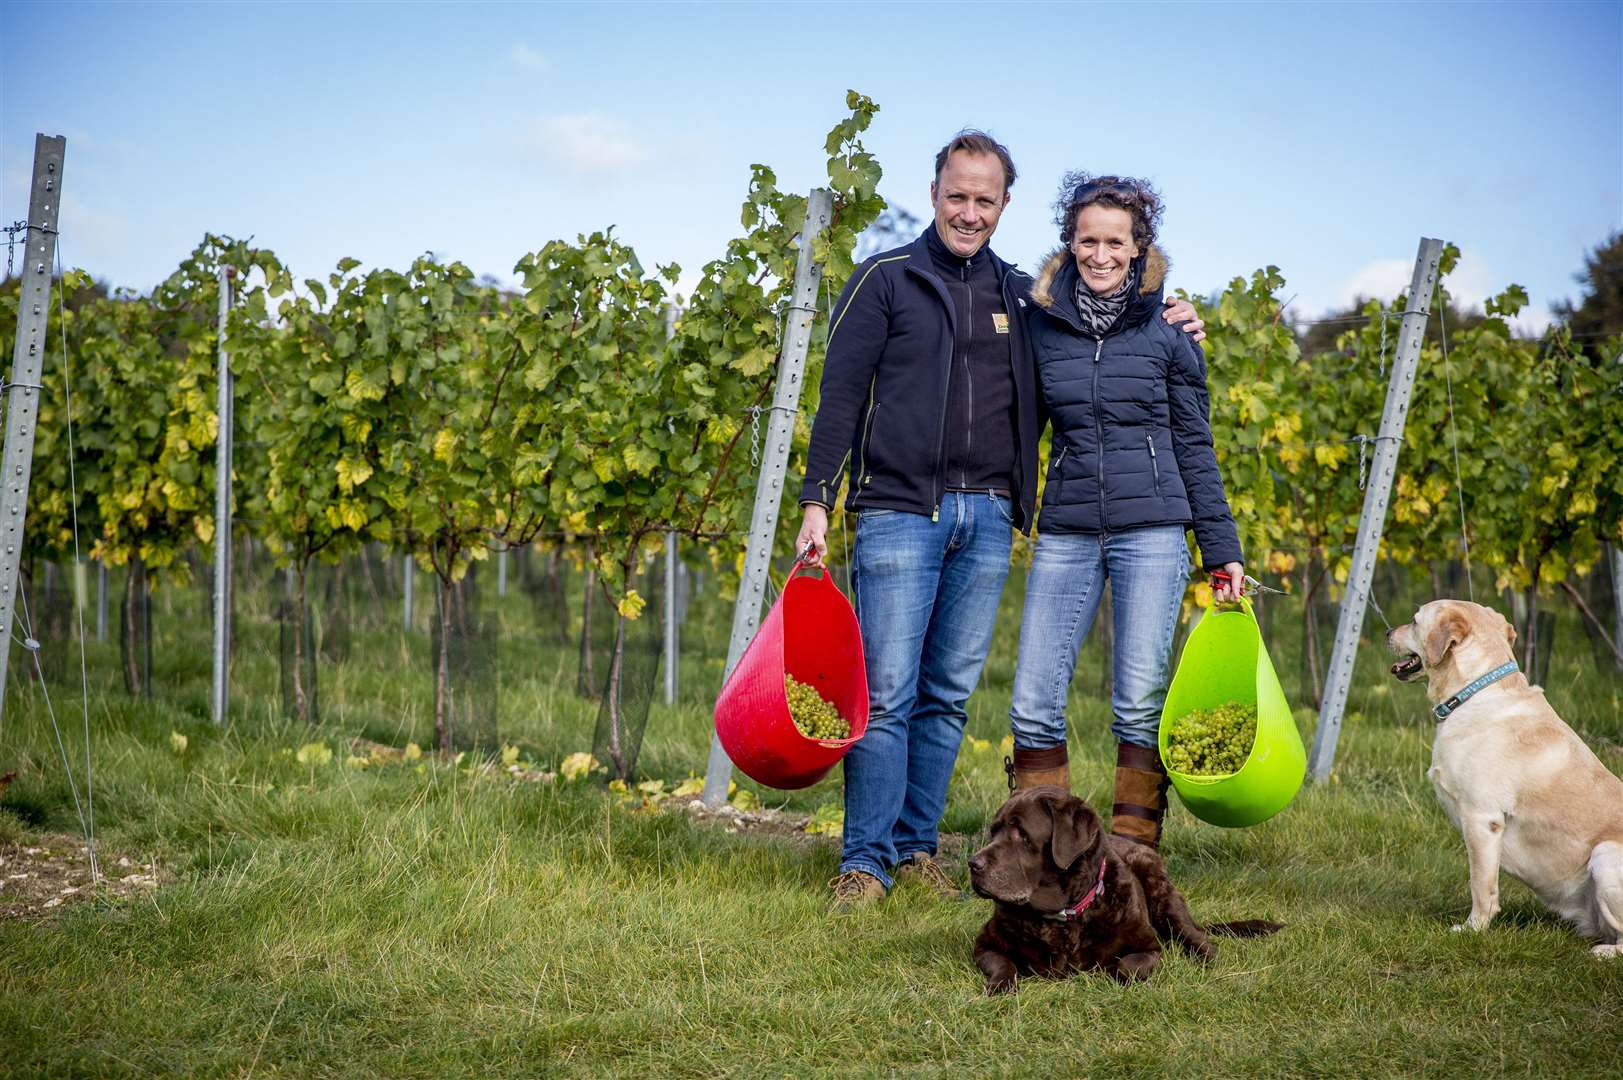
pixel 1082 189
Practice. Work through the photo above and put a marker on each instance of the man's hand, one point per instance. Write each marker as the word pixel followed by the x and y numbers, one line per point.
pixel 813 531
pixel 1229 592
pixel 1182 311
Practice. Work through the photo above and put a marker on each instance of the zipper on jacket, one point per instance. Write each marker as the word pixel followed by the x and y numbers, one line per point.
pixel 1059 475
pixel 863 476
pixel 1155 466
pixel 1016 338
pixel 969 380
pixel 1099 436
pixel 939 480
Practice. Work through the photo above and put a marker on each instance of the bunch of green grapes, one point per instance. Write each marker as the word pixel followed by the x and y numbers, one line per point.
pixel 1212 742
pixel 812 713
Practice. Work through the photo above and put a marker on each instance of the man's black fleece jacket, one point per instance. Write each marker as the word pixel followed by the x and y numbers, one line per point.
pixel 928 384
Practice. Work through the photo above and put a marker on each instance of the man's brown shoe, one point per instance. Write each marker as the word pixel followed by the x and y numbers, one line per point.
pixel 854 889
pixel 921 867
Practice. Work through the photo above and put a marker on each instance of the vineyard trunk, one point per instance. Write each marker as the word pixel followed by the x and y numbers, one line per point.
pixel 301 692
pixel 133 625
pixel 587 684
pixel 1310 631
pixel 442 672
pixel 556 583
pixel 616 668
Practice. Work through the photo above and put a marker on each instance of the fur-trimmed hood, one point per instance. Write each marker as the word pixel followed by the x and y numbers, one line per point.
pixel 1153 267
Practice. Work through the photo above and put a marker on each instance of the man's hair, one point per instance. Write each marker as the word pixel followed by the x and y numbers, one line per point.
pixel 977 142
pixel 1080 190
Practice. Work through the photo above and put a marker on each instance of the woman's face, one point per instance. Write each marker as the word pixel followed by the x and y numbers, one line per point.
pixel 1103 246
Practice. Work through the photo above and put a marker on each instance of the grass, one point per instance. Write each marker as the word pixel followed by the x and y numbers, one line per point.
pixel 406 921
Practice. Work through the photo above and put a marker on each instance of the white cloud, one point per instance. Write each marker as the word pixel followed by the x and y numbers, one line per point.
pixel 1382 280
pixel 526 57
pixel 588 142
pixel 1472 283
pixel 91 237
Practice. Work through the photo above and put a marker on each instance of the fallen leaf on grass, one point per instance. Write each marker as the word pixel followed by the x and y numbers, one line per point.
pixel 177 742
pixel 578 765
pixel 315 753
pixel 828 820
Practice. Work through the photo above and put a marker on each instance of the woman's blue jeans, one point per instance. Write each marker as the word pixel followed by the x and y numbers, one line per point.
pixel 1147 569
pixel 926 597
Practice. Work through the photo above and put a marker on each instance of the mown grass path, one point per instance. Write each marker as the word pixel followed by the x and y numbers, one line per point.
pixel 420 919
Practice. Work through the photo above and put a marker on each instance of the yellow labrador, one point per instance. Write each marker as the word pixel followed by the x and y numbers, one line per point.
pixel 1525 791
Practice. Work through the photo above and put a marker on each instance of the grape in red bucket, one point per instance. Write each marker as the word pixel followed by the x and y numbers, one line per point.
pixel 814 715
pixel 1212 742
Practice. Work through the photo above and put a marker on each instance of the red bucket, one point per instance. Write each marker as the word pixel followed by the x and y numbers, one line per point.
pixel 810 633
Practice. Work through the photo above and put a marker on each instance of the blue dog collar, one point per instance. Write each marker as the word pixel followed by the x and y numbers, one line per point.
pixel 1443 708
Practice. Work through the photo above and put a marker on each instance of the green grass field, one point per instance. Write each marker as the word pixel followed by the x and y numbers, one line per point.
pixel 420 919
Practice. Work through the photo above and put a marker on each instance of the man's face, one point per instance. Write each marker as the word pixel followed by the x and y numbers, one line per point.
pixel 968 198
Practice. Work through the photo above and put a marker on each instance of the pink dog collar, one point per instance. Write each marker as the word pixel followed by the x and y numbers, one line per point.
pixel 1075 910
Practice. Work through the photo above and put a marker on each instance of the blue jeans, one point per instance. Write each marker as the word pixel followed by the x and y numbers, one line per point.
pixel 926 597
pixel 1147 569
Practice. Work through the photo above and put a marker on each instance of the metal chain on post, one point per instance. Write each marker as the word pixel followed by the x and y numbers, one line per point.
pixel 796 341
pixel 1338 681
pixel 22 403
pixel 225 410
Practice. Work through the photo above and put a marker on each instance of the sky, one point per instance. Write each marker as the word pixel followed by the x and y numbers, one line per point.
pixel 1325 139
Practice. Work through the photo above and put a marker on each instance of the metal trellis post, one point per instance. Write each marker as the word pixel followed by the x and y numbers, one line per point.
pixel 101 600
pixel 672 651
pixel 797 329
pixel 23 390
pixel 226 412
pixel 672 646
pixel 501 571
pixel 406 593
pixel 1376 496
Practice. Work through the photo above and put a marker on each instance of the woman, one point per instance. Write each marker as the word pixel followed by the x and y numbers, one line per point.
pixel 1130 469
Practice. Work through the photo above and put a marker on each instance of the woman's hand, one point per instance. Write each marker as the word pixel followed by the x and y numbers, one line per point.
pixel 1229 592
pixel 1182 311
pixel 813 531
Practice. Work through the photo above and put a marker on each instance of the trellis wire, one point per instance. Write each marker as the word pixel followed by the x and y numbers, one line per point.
pixel 1459 481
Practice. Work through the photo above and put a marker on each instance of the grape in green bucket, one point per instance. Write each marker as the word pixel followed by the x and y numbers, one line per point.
pixel 1225 671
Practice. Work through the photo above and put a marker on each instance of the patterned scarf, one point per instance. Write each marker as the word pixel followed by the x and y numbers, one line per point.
pixel 1100 314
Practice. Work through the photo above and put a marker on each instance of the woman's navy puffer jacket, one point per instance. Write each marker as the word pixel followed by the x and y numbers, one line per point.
pixel 1131 417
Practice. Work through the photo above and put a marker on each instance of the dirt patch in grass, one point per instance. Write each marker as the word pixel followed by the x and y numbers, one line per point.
pixel 953 850
pixel 44 874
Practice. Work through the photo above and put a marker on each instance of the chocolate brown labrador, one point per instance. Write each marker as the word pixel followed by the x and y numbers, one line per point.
pixel 1071 898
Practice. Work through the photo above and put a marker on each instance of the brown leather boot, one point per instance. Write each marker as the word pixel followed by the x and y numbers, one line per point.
pixel 1141 795
pixel 1032 768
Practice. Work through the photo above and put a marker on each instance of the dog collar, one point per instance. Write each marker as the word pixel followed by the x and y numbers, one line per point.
pixel 1442 709
pixel 1075 910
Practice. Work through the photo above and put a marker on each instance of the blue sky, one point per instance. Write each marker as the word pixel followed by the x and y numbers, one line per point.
pixel 1321 138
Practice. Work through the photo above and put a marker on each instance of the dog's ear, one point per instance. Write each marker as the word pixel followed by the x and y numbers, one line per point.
pixel 1076 830
pixel 1445 633
pixel 1510 631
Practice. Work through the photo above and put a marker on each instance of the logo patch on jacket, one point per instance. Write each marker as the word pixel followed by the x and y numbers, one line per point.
pixel 1000 322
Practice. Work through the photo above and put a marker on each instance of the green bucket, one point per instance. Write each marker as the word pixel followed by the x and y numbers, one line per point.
pixel 1224 661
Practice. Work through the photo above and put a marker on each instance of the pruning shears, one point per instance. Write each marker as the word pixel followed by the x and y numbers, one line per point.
pixel 1250 587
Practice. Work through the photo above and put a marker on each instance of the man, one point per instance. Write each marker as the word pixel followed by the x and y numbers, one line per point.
pixel 929 395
